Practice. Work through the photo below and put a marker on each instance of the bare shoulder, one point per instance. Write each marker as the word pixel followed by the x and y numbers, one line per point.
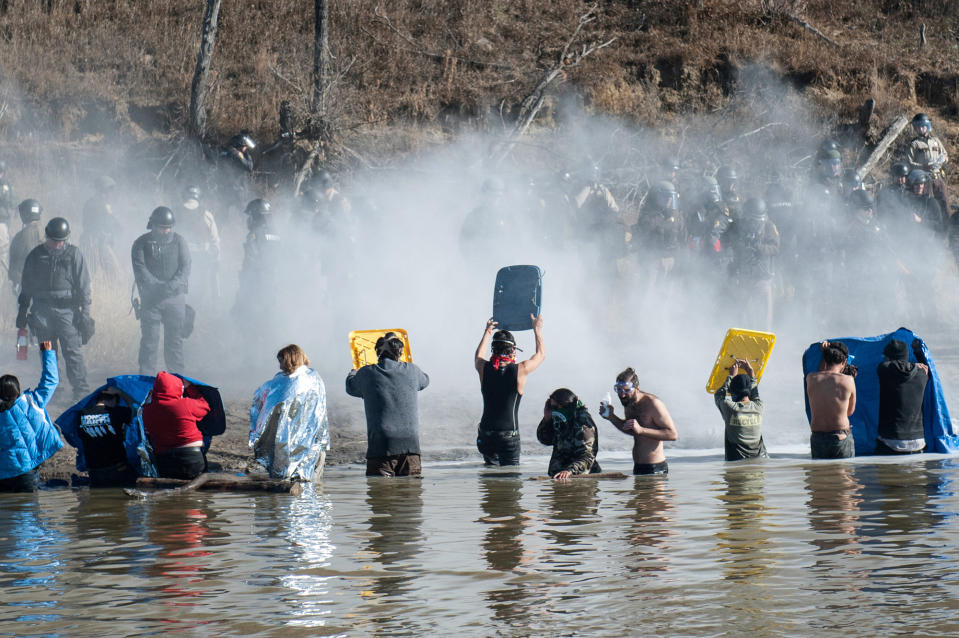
pixel 653 403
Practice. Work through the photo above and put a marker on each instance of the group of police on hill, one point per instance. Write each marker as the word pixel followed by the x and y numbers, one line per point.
pixel 832 223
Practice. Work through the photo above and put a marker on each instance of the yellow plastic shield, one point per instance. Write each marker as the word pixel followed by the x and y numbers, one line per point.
pixel 752 345
pixel 363 346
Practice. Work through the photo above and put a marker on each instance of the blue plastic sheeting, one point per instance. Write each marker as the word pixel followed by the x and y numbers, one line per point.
pixel 866 354
pixel 134 390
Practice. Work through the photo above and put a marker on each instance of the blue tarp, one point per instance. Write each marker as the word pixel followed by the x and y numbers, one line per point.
pixel 866 354
pixel 134 390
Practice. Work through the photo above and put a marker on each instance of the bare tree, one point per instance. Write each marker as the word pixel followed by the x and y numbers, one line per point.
pixel 201 75
pixel 321 52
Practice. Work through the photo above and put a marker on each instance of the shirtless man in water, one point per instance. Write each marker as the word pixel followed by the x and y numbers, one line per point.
pixel 832 400
pixel 647 420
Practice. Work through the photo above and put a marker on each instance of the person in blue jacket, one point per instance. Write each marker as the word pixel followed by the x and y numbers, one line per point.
pixel 27 435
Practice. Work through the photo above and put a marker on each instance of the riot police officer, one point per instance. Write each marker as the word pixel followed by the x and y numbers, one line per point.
pixel 6 205
pixel 161 266
pixel 55 299
pixel 234 168
pixel 29 237
pixel 927 153
pixel 259 293
pixel 100 226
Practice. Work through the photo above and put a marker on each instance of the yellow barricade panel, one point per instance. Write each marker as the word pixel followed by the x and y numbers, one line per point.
pixel 752 345
pixel 363 346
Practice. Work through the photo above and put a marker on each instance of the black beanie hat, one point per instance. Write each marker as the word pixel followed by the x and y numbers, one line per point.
pixel 896 350
pixel 740 386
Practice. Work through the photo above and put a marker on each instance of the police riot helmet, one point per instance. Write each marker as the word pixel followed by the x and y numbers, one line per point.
pixel 58 229
pixel 726 174
pixel 831 163
pixel 917 176
pixel 310 198
pixel 104 183
pixel 161 217
pixel 258 207
pixel 30 210
pixel 851 180
pixel 193 192
pixel 921 120
pixel 862 199
pixel 899 169
pixel 754 209
pixel 826 146
pixel 240 140
pixel 670 164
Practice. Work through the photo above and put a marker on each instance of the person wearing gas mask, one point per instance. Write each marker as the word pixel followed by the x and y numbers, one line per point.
pixel 754 243
pixel 161 267
pixel 55 299
pixel 570 430
pixel 660 232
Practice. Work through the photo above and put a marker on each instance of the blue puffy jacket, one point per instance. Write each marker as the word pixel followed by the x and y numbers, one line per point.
pixel 27 435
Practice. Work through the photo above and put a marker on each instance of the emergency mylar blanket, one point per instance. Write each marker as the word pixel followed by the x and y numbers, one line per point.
pixel 289 429
pixel 866 354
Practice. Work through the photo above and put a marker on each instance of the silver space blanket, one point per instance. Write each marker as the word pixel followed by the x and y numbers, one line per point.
pixel 289 430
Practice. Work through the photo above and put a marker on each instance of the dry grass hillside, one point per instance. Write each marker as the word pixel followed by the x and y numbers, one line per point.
pixel 79 74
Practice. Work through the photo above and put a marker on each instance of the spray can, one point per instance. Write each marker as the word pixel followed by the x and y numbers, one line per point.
pixel 605 408
pixel 22 344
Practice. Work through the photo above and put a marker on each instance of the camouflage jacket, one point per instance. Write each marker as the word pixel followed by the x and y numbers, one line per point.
pixel 928 154
pixel 575 441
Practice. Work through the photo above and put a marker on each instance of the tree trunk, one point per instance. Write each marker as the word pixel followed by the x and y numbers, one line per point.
pixel 321 52
pixel 201 74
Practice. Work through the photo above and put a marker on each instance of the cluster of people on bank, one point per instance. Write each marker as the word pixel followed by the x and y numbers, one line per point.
pixel 289 429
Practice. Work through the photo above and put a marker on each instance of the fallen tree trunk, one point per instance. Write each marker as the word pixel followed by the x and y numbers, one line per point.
pixel 221 483
pixel 893 132
pixel 598 475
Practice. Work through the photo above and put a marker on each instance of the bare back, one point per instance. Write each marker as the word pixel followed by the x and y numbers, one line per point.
pixel 832 400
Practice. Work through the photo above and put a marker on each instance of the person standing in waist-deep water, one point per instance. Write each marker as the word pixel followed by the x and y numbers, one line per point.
pixel 161 267
pixel 171 420
pixel 102 431
pixel 502 381
pixel 289 428
pixel 55 299
pixel 27 435
pixel 742 409
pixel 832 400
pixel 646 419
pixel 902 385
pixel 388 389
pixel 568 427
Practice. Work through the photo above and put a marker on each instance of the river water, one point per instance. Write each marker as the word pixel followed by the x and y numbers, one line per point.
pixel 785 547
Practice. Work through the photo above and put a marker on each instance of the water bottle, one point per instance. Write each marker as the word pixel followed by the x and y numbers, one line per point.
pixel 22 344
pixel 605 407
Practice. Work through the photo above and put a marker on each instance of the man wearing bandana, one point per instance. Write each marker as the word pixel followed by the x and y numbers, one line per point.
pixel 646 419
pixel 567 426
pixel 502 381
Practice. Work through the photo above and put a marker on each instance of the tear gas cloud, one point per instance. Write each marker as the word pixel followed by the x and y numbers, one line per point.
pixel 405 264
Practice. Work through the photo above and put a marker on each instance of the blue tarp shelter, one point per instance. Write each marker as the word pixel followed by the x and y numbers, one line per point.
pixel 866 354
pixel 134 389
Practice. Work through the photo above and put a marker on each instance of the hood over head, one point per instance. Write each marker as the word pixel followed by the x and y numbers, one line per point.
pixel 167 386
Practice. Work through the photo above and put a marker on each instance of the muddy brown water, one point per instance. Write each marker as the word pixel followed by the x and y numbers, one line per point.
pixel 784 547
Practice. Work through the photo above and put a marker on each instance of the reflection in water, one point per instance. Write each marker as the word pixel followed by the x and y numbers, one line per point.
pixel 571 504
pixel 182 528
pixel 650 512
pixel 745 541
pixel 310 524
pixel 29 562
pixel 503 543
pixel 835 494
pixel 394 546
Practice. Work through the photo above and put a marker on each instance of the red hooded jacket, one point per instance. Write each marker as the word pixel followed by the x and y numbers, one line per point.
pixel 172 415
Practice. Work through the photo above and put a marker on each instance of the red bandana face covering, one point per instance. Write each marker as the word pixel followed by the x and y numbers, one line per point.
pixel 502 360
